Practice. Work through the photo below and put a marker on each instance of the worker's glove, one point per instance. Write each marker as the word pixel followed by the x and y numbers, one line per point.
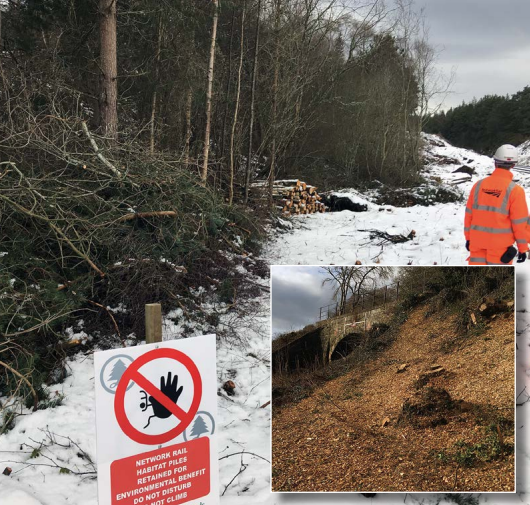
pixel 509 255
pixel 467 245
pixel 521 258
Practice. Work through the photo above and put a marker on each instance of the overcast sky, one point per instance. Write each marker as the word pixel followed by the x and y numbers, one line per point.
pixel 297 294
pixel 486 41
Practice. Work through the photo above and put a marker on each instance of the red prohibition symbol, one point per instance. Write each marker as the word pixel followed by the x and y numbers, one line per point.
pixel 132 374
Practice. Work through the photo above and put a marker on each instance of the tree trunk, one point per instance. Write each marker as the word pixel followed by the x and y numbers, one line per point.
pixel 204 172
pixel 236 108
pixel 252 105
pixel 274 99
pixel 4 80
pixel 189 101
pixel 228 84
pixel 108 93
pixel 155 88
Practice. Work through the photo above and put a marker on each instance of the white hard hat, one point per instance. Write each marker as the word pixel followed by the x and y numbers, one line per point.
pixel 507 155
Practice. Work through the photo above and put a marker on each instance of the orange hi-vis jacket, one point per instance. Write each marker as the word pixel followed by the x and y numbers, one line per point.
pixel 496 213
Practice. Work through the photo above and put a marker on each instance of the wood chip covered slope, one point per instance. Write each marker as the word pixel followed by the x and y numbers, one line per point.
pixel 346 435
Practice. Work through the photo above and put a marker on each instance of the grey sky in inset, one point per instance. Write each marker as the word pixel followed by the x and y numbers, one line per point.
pixel 297 295
pixel 486 41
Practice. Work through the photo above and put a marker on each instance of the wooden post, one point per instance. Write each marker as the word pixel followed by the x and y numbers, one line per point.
pixel 397 291
pixel 153 323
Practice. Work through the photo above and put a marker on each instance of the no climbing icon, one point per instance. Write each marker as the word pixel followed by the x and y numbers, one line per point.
pixel 161 390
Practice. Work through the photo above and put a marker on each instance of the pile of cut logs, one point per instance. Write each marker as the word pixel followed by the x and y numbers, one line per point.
pixel 297 197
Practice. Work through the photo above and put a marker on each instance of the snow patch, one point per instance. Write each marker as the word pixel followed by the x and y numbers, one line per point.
pixel 19 497
pixel 356 197
pixel 336 237
pixel 524 153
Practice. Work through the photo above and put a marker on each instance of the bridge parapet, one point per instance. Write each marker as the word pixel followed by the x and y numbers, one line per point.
pixel 316 347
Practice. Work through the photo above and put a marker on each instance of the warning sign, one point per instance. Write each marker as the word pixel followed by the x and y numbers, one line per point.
pixel 156 409
pixel 176 474
pixel 163 399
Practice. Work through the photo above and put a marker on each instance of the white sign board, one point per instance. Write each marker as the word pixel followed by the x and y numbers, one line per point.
pixel 156 413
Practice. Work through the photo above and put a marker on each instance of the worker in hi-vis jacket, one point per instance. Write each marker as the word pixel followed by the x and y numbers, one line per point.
pixel 497 215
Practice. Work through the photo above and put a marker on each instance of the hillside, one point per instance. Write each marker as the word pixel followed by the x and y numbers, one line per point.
pixel 446 422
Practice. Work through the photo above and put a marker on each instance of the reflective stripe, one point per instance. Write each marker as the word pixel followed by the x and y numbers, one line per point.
pixel 466 229
pixel 475 197
pixel 478 260
pixel 520 221
pixel 492 263
pixel 489 208
pixel 507 195
pixel 521 241
pixel 469 211
pixel 503 209
pixel 491 230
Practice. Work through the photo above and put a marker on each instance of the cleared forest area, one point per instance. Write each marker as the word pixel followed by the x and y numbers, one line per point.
pixel 430 409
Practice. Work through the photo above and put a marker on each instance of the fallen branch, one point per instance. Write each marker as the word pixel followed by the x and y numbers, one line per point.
pixel 28 383
pixel 525 401
pixel 37 451
pixel 45 322
pixel 244 452
pixel 144 215
pixel 387 238
pixel 23 177
pixel 461 181
pixel 241 470
pixel 111 317
pixel 237 249
pixel 240 227
pixel 57 230
pixel 261 286
pixel 100 156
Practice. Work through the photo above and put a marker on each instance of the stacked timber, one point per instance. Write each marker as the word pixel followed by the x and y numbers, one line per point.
pixel 293 197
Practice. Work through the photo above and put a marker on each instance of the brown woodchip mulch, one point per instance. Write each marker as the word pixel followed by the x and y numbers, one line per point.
pixel 335 440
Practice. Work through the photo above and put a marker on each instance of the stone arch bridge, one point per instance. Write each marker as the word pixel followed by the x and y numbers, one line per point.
pixel 317 344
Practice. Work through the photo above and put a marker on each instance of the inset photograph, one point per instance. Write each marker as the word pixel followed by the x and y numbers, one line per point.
pixel 393 379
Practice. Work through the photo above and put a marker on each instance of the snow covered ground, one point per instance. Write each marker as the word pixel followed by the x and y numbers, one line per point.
pixel 335 238
pixel 43 442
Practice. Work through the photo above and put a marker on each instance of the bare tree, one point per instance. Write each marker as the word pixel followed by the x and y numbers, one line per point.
pixel 228 83
pixel 276 71
pixel 236 108
pixel 187 138
pixel 155 87
pixel 209 92
pixel 350 282
pixel 252 103
pixel 108 93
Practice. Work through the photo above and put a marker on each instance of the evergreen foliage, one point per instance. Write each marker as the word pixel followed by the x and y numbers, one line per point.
pixel 484 125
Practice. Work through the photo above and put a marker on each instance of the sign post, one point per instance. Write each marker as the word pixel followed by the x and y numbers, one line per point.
pixel 156 411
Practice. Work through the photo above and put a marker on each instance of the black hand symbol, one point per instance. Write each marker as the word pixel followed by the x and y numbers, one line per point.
pixel 169 388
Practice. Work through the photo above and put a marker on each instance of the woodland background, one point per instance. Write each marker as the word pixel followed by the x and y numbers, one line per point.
pixel 131 132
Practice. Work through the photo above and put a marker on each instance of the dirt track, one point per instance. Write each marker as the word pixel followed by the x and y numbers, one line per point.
pixel 335 440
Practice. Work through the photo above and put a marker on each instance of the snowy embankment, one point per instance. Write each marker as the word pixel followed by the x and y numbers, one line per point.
pixel 336 238
pixel 52 452
pixel 63 437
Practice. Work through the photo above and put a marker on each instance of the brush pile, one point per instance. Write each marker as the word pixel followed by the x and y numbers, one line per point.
pixel 91 230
